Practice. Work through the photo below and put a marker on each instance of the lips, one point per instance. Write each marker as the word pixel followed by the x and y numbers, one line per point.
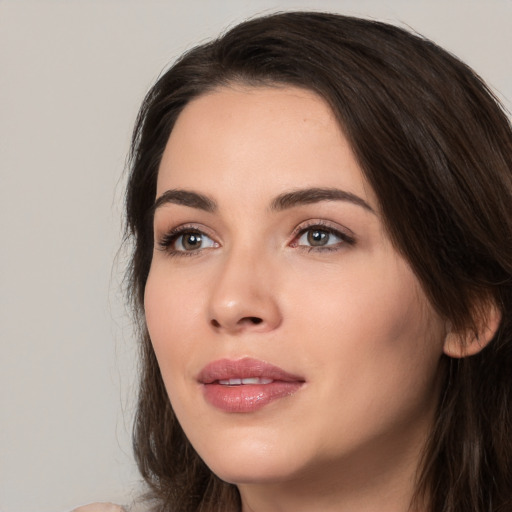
pixel 246 385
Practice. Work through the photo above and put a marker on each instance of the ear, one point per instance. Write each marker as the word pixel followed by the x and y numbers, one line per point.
pixel 469 342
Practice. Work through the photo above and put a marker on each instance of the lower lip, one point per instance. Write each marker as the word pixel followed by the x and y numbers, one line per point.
pixel 247 397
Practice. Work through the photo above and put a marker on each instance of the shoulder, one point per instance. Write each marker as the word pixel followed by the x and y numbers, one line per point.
pixel 99 507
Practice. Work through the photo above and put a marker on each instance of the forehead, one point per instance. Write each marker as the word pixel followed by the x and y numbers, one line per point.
pixel 259 139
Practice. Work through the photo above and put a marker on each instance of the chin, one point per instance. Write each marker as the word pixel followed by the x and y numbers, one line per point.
pixel 254 473
pixel 251 463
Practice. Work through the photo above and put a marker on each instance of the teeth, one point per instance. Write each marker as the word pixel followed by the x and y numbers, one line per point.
pixel 256 380
pixel 250 380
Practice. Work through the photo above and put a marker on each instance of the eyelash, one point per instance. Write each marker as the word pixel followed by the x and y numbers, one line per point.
pixel 168 240
pixel 346 238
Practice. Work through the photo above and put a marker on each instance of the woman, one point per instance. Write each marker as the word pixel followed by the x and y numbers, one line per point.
pixel 321 212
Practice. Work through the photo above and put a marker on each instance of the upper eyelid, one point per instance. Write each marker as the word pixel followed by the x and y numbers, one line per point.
pixel 165 238
pixel 324 224
pixel 298 230
pixel 183 228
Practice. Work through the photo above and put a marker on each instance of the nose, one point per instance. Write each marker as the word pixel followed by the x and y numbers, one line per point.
pixel 244 296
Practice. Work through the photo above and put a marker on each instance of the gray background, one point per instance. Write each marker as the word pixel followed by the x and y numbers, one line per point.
pixel 72 75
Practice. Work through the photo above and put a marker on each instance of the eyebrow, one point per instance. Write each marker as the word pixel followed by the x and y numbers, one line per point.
pixel 281 202
pixel 185 198
pixel 316 195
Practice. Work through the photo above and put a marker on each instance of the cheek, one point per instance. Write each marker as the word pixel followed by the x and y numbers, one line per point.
pixel 374 351
pixel 371 325
pixel 172 314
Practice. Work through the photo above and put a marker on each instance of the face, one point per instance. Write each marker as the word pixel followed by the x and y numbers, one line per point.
pixel 293 339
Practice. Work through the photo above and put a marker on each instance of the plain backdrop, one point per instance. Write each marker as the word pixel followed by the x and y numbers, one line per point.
pixel 72 75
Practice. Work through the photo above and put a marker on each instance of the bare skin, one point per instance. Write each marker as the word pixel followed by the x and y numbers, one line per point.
pixel 311 285
pixel 100 507
pixel 269 245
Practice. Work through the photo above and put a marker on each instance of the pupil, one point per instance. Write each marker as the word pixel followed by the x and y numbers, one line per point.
pixel 317 237
pixel 191 241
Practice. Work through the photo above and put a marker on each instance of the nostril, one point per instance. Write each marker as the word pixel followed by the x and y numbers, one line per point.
pixel 254 320
pixel 246 320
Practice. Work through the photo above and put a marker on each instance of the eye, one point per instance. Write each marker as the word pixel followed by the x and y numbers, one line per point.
pixel 319 237
pixel 186 241
pixel 316 237
pixel 192 240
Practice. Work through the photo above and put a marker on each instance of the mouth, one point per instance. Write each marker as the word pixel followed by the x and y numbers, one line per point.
pixel 244 382
pixel 246 385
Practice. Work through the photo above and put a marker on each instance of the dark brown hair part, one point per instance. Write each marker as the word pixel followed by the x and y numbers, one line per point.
pixel 436 147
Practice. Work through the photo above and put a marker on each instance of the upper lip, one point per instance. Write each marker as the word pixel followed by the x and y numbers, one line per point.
pixel 245 368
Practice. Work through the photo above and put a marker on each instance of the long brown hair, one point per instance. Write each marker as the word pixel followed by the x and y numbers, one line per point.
pixel 436 147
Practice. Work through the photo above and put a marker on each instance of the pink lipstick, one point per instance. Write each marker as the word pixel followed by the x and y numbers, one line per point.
pixel 245 385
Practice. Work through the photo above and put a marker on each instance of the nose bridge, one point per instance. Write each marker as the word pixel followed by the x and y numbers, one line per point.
pixel 243 296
